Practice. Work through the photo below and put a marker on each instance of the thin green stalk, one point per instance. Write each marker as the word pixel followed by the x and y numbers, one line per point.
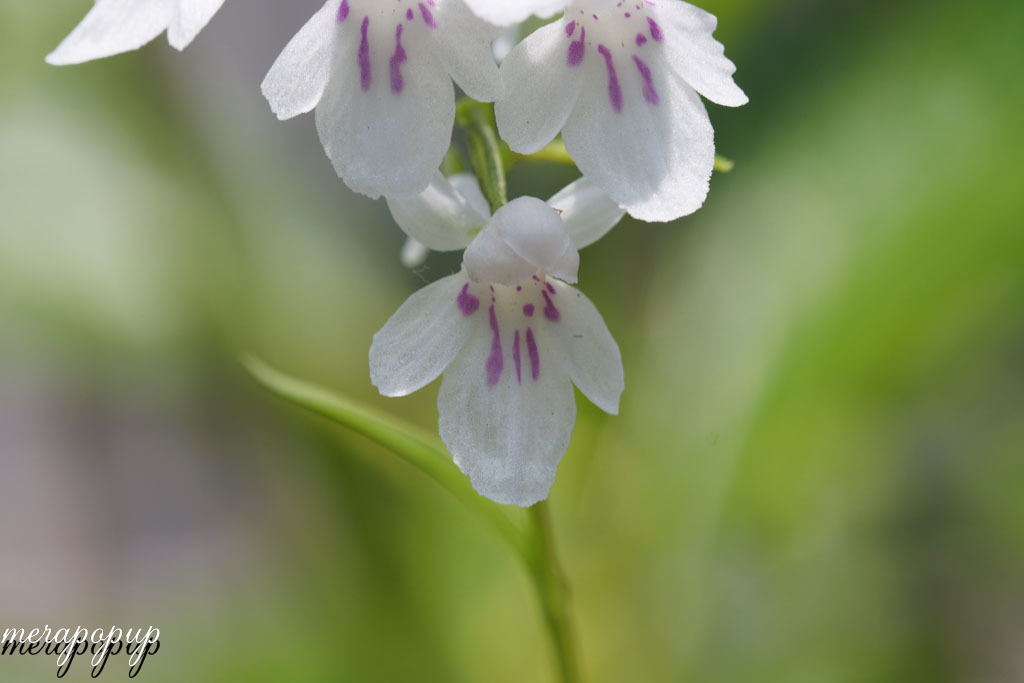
pixel 485 149
pixel 553 593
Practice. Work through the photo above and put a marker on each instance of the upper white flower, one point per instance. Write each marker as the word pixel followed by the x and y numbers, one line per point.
pixel 450 212
pixel 379 74
pixel 620 81
pixel 510 337
pixel 115 26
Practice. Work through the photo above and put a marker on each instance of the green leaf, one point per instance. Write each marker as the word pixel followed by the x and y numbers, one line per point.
pixel 421 450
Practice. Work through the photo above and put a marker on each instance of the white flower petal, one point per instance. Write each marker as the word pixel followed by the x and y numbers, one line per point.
pixel 439 217
pixel 523 237
pixel 695 55
pixel 506 430
pixel 413 253
pixel 423 336
pixel 655 160
pixel 468 187
pixel 383 138
pixel 489 259
pixel 508 12
pixel 190 17
pixel 541 90
pixel 585 348
pixel 587 211
pixel 112 27
pixel 463 43
pixel 535 231
pixel 297 79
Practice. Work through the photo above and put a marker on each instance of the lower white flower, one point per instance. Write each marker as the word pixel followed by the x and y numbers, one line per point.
pixel 511 337
pixel 115 26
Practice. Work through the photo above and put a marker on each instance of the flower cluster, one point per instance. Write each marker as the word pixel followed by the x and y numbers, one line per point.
pixel 620 81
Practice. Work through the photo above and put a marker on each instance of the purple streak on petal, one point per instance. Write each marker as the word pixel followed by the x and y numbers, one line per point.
pixel 650 94
pixel 428 17
pixel 343 11
pixel 515 357
pixel 408 14
pixel 570 28
pixel 641 40
pixel 528 310
pixel 495 361
pixel 614 91
pixel 531 348
pixel 655 30
pixel 363 57
pixel 577 48
pixel 467 302
pixel 550 311
pixel 551 287
pixel 397 83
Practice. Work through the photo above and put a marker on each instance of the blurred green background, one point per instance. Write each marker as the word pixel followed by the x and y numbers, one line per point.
pixel 817 472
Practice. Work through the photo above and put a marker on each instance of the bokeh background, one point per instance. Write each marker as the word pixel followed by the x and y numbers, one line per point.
pixel 817 473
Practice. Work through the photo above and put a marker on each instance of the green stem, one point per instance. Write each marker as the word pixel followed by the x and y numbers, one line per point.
pixel 553 593
pixel 485 153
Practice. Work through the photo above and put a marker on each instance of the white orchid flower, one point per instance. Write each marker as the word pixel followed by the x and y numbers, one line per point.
pixel 621 83
pixel 379 74
pixel 511 337
pixel 115 26
pixel 451 211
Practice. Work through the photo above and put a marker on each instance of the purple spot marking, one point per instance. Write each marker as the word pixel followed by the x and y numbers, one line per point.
pixel 528 310
pixel 628 15
pixel 515 357
pixel 576 48
pixel 495 361
pixel 550 312
pixel 531 348
pixel 655 30
pixel 536 278
pixel 614 91
pixel 650 94
pixel 343 11
pixel 551 287
pixel 408 14
pixel 570 28
pixel 641 40
pixel 467 302
pixel 364 57
pixel 428 18
pixel 397 83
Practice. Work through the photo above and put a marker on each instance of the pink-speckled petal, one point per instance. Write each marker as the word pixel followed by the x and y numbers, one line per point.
pixel 386 137
pixel 653 160
pixel 507 431
pixel 422 338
